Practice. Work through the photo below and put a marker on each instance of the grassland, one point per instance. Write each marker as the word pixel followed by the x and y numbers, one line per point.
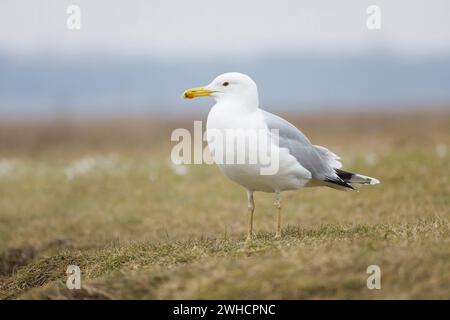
pixel 102 195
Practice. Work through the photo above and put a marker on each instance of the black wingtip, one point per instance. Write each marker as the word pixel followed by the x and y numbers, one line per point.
pixel 340 182
pixel 344 175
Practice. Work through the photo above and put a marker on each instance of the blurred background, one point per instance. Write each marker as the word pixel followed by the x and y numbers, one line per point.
pixel 136 57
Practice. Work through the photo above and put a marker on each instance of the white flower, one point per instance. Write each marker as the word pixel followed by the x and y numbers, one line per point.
pixel 79 167
pixel 441 150
pixel 371 158
pixel 6 166
pixel 87 164
pixel 179 169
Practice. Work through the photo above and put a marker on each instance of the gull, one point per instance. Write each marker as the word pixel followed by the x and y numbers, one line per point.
pixel 300 163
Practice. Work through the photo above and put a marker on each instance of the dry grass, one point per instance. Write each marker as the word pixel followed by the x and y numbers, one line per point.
pixel 139 230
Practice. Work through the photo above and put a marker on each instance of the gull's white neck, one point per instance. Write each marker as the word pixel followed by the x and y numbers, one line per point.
pixel 237 104
pixel 231 113
pixel 231 109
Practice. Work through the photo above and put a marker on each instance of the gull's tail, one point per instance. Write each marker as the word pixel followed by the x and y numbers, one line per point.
pixel 350 177
pixel 343 179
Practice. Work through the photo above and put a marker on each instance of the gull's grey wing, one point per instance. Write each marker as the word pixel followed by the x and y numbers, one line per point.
pixel 301 148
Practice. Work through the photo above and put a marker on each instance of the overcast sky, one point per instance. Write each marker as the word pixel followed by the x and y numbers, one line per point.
pixel 223 28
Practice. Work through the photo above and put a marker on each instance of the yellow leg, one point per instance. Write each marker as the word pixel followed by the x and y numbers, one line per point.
pixel 278 206
pixel 251 209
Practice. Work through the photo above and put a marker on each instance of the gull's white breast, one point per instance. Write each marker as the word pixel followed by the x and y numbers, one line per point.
pixel 290 174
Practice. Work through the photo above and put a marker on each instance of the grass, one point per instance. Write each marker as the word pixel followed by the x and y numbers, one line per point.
pixel 137 229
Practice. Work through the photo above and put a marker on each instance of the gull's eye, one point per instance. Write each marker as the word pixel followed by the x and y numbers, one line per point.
pixel 225 84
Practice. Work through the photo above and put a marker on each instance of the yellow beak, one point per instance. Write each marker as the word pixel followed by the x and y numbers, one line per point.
pixel 197 92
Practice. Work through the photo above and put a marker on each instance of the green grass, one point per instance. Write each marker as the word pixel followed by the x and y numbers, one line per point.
pixel 138 230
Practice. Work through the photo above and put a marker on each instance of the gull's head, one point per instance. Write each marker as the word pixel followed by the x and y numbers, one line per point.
pixel 232 86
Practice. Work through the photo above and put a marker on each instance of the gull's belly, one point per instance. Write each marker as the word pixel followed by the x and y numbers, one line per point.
pixel 289 176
